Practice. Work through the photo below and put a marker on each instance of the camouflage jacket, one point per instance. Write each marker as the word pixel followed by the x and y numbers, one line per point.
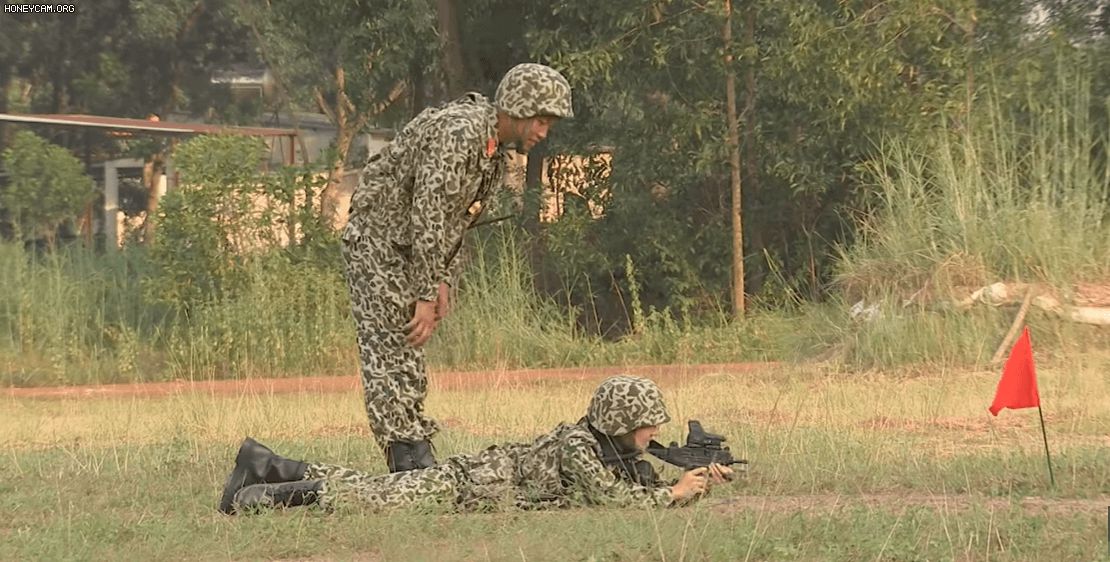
pixel 562 468
pixel 419 192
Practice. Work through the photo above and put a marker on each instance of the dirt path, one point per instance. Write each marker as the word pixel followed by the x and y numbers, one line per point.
pixel 439 380
pixel 825 503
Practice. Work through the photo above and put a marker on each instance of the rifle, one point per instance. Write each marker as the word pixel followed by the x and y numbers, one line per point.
pixel 701 449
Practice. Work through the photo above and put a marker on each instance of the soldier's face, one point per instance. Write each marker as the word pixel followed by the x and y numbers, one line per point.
pixel 532 131
pixel 642 436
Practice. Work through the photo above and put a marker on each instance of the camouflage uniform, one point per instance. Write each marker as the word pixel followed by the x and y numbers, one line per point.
pixel 408 215
pixel 561 468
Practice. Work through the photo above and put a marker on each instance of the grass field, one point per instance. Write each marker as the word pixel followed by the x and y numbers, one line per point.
pixel 844 467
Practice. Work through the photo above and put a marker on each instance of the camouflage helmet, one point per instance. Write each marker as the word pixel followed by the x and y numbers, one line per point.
pixel 624 403
pixel 531 90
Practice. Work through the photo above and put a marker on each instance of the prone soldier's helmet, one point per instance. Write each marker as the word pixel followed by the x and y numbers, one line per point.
pixel 624 403
pixel 533 90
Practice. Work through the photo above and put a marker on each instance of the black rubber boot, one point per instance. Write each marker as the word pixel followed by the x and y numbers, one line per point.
pixel 423 455
pixel 257 464
pixel 409 455
pixel 399 456
pixel 284 494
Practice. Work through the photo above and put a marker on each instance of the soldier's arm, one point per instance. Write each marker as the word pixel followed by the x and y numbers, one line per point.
pixel 438 179
pixel 596 485
pixel 457 264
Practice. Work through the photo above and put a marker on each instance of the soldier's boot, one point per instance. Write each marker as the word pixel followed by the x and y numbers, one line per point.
pixel 284 494
pixel 398 456
pixel 409 455
pixel 423 454
pixel 257 464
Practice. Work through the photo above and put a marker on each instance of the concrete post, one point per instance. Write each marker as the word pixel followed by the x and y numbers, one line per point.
pixel 111 206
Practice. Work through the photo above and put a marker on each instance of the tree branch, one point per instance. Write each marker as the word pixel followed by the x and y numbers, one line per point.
pixel 395 94
pixel 323 105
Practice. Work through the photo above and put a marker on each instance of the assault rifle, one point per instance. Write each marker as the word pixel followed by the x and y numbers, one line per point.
pixel 701 449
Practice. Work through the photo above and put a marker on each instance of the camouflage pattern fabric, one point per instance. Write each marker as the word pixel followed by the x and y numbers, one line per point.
pixel 624 403
pixel 530 90
pixel 560 469
pixel 411 208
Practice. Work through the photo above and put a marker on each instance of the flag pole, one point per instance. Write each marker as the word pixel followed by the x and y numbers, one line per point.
pixel 1047 456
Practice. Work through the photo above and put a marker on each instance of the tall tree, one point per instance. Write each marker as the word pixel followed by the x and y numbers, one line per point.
pixel 736 210
pixel 450 44
pixel 352 60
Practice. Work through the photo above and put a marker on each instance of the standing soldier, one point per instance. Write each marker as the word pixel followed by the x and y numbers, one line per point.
pixel 413 204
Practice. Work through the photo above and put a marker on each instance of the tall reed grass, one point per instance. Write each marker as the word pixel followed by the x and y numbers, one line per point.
pixel 1019 193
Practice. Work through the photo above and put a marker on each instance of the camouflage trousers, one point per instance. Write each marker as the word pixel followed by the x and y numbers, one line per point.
pixel 482 481
pixel 394 381
pixel 436 487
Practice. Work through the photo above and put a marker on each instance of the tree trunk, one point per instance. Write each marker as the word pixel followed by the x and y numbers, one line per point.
pixel 738 305
pixel 177 66
pixel 451 56
pixel 416 76
pixel 750 178
pixel 348 122
pixel 533 189
pixel 329 200
pixel 5 83
pixel 343 135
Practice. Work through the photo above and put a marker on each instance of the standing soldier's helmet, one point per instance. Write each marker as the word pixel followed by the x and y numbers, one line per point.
pixel 623 403
pixel 533 90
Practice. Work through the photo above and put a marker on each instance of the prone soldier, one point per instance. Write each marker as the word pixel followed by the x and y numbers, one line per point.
pixel 586 463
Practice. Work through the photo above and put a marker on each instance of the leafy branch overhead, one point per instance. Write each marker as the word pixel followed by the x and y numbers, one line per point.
pixel 348 59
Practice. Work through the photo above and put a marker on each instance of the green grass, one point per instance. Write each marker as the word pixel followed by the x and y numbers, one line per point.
pixel 76 317
pixel 1019 192
pixel 844 467
pixel 1017 195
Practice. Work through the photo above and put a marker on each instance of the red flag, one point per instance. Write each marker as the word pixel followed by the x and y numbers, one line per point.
pixel 1018 387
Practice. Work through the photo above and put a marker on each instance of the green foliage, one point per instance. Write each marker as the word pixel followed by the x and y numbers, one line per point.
pixel 287 317
pixel 46 185
pixel 203 227
pixel 76 317
pixel 935 121
pixel 226 214
pixel 499 319
pixel 127 57
pixel 1021 195
pixel 650 82
pixel 371 42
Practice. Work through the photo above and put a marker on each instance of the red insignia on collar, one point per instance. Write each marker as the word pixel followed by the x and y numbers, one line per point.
pixel 491 147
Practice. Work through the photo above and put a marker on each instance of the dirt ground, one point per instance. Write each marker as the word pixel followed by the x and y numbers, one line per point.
pixel 438 380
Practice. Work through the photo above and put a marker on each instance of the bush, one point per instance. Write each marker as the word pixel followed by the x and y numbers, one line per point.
pixel 46 186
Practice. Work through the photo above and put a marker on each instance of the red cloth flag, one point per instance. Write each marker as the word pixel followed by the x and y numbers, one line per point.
pixel 1018 387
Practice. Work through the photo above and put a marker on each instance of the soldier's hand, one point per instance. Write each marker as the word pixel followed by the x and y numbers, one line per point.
pixel 692 484
pixel 419 330
pixel 719 474
pixel 443 301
